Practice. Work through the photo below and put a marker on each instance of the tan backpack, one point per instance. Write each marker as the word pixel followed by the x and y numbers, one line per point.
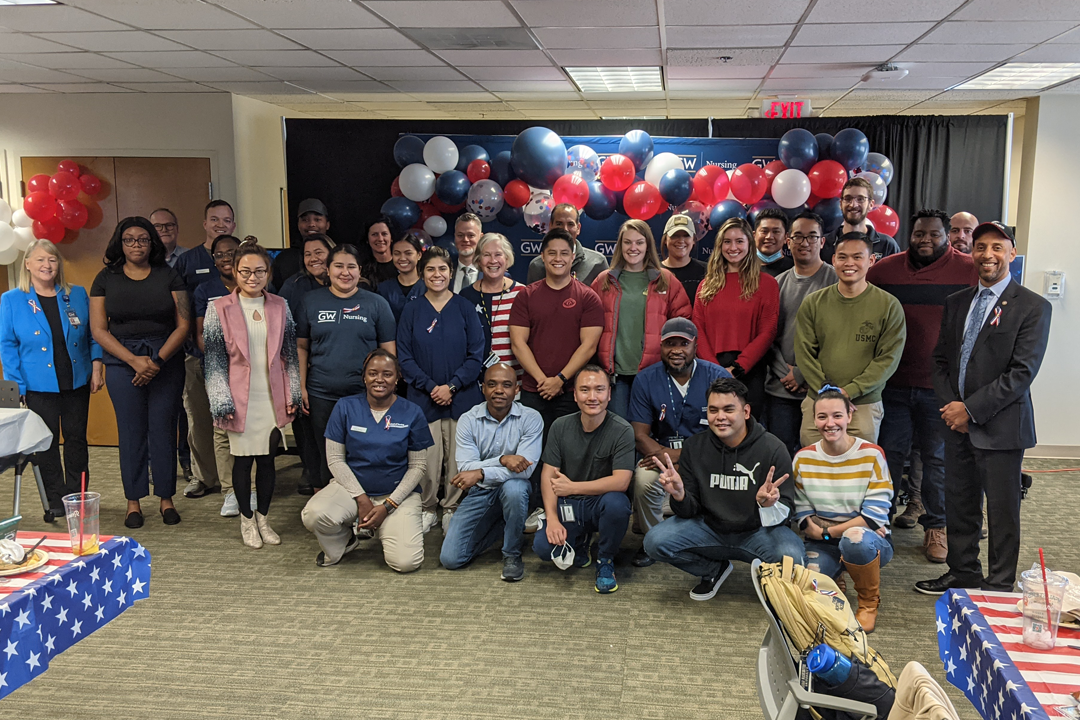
pixel 812 610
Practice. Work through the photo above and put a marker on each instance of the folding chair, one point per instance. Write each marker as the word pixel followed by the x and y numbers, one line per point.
pixel 9 398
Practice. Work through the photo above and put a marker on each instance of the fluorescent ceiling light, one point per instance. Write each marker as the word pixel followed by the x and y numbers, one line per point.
pixel 28 2
pixel 1023 76
pixel 633 117
pixel 616 79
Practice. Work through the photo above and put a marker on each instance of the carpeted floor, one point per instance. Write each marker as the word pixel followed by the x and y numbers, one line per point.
pixel 232 632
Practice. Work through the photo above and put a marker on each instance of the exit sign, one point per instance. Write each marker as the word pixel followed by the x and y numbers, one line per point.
pixel 789 108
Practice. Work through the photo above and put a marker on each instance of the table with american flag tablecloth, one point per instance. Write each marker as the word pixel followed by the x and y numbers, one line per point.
pixel 980 643
pixel 46 611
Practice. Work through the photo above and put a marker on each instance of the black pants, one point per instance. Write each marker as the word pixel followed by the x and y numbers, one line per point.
pixel 753 379
pixel 307 447
pixel 67 412
pixel 265 477
pixel 550 410
pixel 320 416
pixel 971 472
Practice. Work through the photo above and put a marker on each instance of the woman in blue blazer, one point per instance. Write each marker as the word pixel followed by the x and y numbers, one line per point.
pixel 47 348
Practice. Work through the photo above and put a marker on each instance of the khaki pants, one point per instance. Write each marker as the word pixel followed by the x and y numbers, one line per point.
pixel 441 466
pixel 648 500
pixel 223 459
pixel 865 423
pixel 330 515
pixel 200 425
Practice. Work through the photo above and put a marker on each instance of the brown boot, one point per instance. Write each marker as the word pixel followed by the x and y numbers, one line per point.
pixel 910 517
pixel 867 580
pixel 936 545
pixel 841 582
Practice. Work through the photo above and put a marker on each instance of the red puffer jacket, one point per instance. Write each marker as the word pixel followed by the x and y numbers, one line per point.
pixel 660 306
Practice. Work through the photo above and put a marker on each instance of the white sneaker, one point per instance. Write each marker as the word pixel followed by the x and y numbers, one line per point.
pixel 428 518
pixel 230 508
pixel 532 523
pixel 447 516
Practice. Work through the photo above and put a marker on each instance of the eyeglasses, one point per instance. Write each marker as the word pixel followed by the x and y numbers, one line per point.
pixel 854 200
pixel 224 255
pixel 162 227
pixel 132 242
pixel 260 273
pixel 800 239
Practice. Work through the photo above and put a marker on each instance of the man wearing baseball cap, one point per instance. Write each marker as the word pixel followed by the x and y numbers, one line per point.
pixel 667 405
pixel 587 265
pixel 992 342
pixel 311 217
pixel 677 247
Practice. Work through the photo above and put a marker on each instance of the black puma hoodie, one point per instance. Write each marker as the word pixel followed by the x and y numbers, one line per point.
pixel 721 483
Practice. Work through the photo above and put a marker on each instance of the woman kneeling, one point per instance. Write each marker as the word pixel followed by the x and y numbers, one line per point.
pixel 842 497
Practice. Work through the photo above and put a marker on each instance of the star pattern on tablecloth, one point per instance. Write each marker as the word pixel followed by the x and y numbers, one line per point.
pixel 11 649
pixel 50 644
pixel 941 626
pixel 23 618
pixel 87 601
pixel 95 574
pixel 61 617
pixel 76 628
pixel 32 661
pixel 46 602
pixel 73 588
pixel 100 613
pixel 120 599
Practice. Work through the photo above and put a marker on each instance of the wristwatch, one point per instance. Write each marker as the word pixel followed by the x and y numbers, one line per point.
pixel 389 508
pixel 825 535
pixel 561 377
pixel 453 389
pixel 156 359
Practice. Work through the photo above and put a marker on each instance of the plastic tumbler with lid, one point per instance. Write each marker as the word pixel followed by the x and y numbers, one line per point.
pixel 1040 626
pixel 82 520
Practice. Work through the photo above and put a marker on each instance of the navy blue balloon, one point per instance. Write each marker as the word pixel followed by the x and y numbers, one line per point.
pixel 798 149
pixel 824 145
pixel 850 148
pixel 509 215
pixel 724 211
pixel 408 149
pixel 601 203
pixel 403 212
pixel 501 171
pixel 638 146
pixel 830 213
pixel 618 202
pixel 676 186
pixel 538 156
pixel 469 153
pixel 452 187
pixel 753 210
pixel 793 213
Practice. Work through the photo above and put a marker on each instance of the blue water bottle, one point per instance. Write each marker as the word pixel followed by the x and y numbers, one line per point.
pixel 828 665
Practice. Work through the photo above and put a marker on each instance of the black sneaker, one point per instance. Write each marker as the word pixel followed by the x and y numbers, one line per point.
pixel 641 558
pixel 706 589
pixel 513 569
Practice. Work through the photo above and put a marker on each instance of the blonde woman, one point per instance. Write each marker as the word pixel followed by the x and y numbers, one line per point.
pixel 639 296
pixel 737 310
pixel 45 313
pixel 493 296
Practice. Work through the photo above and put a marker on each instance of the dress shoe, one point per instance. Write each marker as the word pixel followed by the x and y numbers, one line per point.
pixel 133 520
pixel 170 516
pixel 948 581
pixel 935 545
pixel 641 559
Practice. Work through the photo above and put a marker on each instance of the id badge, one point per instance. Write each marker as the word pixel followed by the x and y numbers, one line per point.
pixel 675 443
pixel 566 512
pixel 492 359
pixel 73 319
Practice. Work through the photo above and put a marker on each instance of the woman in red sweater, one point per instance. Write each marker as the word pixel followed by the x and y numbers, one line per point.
pixel 737 310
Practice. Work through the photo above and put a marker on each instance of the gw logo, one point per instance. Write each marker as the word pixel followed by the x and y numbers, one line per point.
pixel 606 249
pixel 327 316
pixel 530 248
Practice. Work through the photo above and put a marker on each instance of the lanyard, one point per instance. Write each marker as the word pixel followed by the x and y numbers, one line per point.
pixel 496 299
pixel 671 398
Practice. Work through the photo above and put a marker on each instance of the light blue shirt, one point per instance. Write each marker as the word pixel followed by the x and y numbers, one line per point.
pixel 997 288
pixel 482 440
pixel 172 257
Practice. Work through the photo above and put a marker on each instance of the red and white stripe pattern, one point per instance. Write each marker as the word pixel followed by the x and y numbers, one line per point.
pixel 58 545
pixel 500 326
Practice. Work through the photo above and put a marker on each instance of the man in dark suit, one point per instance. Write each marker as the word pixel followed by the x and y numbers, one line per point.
pixel 993 338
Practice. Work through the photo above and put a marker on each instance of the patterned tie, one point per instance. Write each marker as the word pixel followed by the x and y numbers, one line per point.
pixel 971 332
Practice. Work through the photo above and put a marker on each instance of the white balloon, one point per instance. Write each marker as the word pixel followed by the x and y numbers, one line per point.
pixel 9 255
pixel 440 154
pixel 5 212
pixel 23 238
pixel 881 190
pixel 660 165
pixel 791 188
pixel 19 218
pixel 435 226
pixel 417 182
pixel 7 237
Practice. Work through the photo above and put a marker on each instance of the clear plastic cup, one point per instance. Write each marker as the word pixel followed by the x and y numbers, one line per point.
pixel 1041 626
pixel 82 519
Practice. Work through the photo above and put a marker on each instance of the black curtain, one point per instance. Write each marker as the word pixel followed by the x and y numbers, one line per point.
pixel 952 163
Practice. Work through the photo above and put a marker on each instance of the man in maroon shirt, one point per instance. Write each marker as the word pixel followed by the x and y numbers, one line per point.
pixel 921 279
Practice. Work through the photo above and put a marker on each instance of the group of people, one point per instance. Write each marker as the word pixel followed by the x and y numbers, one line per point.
pixel 790 380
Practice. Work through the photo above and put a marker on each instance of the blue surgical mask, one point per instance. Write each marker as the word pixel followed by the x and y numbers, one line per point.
pixel 770 258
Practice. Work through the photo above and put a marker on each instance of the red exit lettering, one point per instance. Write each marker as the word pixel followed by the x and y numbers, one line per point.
pixel 785 110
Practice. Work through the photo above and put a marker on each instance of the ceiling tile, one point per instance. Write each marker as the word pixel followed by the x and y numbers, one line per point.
pixel 1014 32
pixel 495 58
pixel 259 88
pixel 231 39
pixel 359 97
pixel 519 94
pixel 743 72
pixel 369 39
pixel 1012 10
pixel 528 87
pixel 53 18
pixel 933 82
pixel 124 75
pixel 912 96
pixel 595 13
pixel 414 73
pixel 553 105
pixel 106 41
pixel 723 57
pixel 276 58
pixel 869 54
pixel 293 14
pixel 7 88
pixel 427 86
pixel 19 43
pixel 346 86
pixel 980 95
pixel 948 69
pixel 187 58
pixel 18 73
pixel 65 61
pixel 287 100
pixel 594 37
pixel 1071 37
pixel 162 14
pixel 444 13
pixel 713 84
pixel 1054 53
pixel 300 74
pixel 991 52
pixel 222 74
pixel 807 70
pixel 798 84
pixel 749 36
pixel 841 11
pixel 72 88
pixel 708 94
pixel 513 73
pixel 384 58
pixel 731 12
pixel 628 57
pixel 861 33
pixel 174 87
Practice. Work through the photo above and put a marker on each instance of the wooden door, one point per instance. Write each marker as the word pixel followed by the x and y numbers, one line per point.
pixel 129 186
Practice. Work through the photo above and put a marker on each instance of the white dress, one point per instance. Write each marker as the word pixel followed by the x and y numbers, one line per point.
pixel 260 422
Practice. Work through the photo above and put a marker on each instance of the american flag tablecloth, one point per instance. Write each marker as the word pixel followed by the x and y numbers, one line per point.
pixel 979 641
pixel 43 613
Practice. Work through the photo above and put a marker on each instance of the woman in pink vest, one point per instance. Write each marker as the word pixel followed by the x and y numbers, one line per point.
pixel 253 382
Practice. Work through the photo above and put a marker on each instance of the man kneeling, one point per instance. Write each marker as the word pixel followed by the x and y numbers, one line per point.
pixel 588 462
pixel 498 444
pixel 727 505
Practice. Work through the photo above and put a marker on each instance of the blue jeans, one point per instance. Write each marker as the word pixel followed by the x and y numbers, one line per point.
pixel 606 514
pixel 620 395
pixel 482 516
pixel 784 418
pixel 908 411
pixel 692 546
pixel 826 557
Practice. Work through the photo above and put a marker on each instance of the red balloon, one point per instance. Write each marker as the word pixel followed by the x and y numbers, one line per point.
pixel 705 183
pixel 479 169
pixel 772 169
pixel 827 178
pixel 64 186
pixel 443 207
pixel 748 183
pixel 90 184
pixel 50 229
pixel 885 220
pixel 642 201
pixel 813 200
pixel 427 210
pixel 516 193
pixel 72 214
pixel 40 205
pixel 395 189
pixel 69 166
pixel 617 173
pixel 38 183
pixel 722 187
pixel 570 189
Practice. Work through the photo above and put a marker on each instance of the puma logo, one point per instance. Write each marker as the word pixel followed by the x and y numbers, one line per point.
pixel 739 467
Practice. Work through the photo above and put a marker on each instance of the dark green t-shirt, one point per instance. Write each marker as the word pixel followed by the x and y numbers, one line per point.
pixel 630 340
pixel 568 447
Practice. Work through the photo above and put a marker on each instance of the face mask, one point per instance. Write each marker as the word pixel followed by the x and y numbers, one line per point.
pixel 563 556
pixel 770 258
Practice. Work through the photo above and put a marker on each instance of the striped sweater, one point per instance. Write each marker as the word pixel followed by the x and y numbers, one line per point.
pixel 497 325
pixel 842 487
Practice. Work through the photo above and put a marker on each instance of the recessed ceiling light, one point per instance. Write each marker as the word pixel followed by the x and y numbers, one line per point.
pixel 616 79
pixel 1022 76
pixel 29 2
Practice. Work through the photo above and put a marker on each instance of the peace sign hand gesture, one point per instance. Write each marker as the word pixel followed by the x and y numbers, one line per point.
pixel 671 480
pixel 767 494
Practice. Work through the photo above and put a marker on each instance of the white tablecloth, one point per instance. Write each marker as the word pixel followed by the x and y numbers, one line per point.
pixel 22 431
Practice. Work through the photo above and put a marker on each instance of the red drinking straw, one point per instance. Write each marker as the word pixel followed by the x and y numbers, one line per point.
pixel 1046 592
pixel 82 512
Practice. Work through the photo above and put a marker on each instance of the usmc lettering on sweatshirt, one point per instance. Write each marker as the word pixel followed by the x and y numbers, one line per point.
pixel 734 482
pixel 866 333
